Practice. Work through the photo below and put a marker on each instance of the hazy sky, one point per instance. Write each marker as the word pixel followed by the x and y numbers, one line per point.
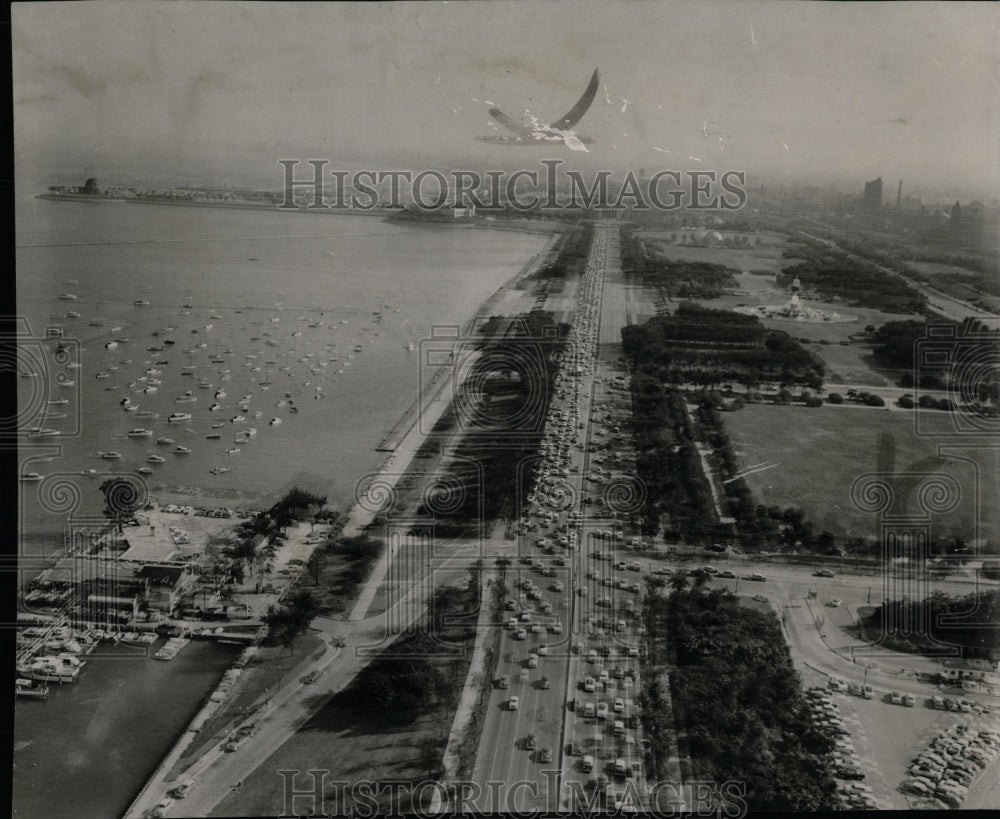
pixel 813 91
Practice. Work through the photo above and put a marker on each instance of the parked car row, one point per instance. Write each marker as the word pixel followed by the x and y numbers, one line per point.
pixel 847 765
pixel 951 764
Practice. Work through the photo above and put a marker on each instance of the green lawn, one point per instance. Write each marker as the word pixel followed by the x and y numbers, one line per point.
pixel 821 451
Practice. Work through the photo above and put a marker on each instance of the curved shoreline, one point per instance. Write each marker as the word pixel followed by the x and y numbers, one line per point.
pixel 428 408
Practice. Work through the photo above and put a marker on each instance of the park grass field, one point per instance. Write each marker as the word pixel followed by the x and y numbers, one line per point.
pixel 821 451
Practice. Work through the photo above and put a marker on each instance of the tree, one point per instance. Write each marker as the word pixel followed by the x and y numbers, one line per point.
pixel 122 499
pixel 294 617
pixel 678 581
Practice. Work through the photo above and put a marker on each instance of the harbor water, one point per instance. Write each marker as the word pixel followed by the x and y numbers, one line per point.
pixel 322 313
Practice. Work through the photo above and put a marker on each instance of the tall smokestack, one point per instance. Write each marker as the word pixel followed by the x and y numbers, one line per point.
pixel 899 193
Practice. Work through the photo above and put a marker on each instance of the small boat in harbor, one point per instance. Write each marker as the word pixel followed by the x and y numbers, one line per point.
pixel 176 417
pixel 111 456
pixel 141 302
pixel 164 441
pixel 31 476
pixel 139 432
pixel 156 459
pixel 180 450
pixel 145 470
pixel 213 436
pixel 43 432
pixel 274 422
pixel 219 470
pixel 187 398
pixel 72 314
pixel 32 689
pixel 58 400
pixel 68 297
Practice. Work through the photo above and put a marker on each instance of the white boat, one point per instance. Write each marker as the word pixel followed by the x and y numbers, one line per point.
pixel 67 383
pixel 139 432
pixel 145 470
pixel 187 398
pixel 237 419
pixel 111 456
pixel 179 416
pixel 219 470
pixel 141 302
pixel 215 407
pixel 147 414
pixel 69 297
pixel 111 345
pixel 164 441
pixel 43 432
pixel 274 422
pixel 72 314
pixel 58 400
pixel 50 669
pixel 155 459
pixel 150 389
pixel 220 394
pixel 103 375
pixel 31 476
pixel 233 450
pixel 180 450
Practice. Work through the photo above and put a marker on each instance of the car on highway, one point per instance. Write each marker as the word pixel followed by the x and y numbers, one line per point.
pixel 514 703
pixel 532 661
pixel 895 698
pixel 838 684
pixel 310 678
pixel 727 574
pixel 161 807
pixel 756 576
pixel 503 681
pixel 544 683
pixel 181 790
pixel 530 742
pixel 867 692
pixel 824 573
pixel 835 603
pixel 587 763
pixel 545 755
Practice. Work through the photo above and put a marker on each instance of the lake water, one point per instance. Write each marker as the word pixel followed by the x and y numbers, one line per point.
pixel 312 311
pixel 315 312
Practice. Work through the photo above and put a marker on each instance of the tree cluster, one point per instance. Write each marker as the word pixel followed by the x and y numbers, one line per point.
pixel 968 622
pixel 835 276
pixel 739 700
